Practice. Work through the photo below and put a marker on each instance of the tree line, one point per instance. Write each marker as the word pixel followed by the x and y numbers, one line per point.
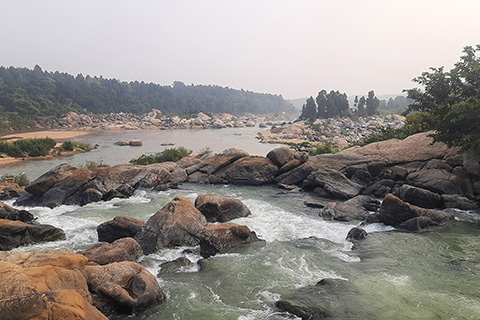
pixel 26 94
pixel 335 104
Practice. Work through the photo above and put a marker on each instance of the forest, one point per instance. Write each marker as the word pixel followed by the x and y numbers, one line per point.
pixel 26 94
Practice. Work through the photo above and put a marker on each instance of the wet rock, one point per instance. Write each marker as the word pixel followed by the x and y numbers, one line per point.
pixel 313 204
pixel 417 223
pixel 50 178
pixel 380 188
pixel 336 183
pixel 177 223
pixel 420 197
pixel 123 288
pixel 16 233
pixel 357 208
pixel 280 156
pixel 459 202
pixel 219 238
pixel 124 191
pixel 329 298
pixel 220 209
pixel 9 213
pixel 135 143
pixel 394 212
pixel 121 143
pixel 175 265
pixel 119 227
pixel 125 249
pixel 436 180
pixel 356 233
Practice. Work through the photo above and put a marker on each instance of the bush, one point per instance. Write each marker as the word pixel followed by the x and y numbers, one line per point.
pixel 313 150
pixel 72 145
pixel 27 147
pixel 173 154
pixel 68 146
pixel 21 179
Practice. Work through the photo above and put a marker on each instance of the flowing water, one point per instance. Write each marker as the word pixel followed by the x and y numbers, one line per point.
pixel 427 275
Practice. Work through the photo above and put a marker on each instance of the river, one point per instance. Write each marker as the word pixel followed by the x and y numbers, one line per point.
pixel 427 275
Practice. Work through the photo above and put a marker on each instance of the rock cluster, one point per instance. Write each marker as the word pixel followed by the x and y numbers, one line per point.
pixel 151 120
pixel 341 132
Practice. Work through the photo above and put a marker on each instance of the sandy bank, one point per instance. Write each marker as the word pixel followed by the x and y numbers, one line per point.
pixel 56 135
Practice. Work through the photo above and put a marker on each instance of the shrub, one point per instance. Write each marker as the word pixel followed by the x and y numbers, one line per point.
pixel 173 154
pixel 21 179
pixel 27 147
pixel 68 146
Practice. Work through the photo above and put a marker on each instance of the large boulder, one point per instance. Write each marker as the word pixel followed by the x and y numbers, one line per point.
pixel 335 183
pixel 125 249
pixel 394 212
pixel 219 238
pixel 437 180
pixel 178 223
pixel 281 155
pixel 45 285
pixel 119 227
pixel 50 178
pixel 9 213
pixel 123 287
pixel 420 197
pixel 16 233
pixel 356 208
pixel 220 209
pixel 250 171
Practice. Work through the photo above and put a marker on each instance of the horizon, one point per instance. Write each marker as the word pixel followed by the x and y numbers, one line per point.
pixel 274 47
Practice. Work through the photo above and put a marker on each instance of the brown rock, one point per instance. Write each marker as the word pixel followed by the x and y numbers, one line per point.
pixel 394 212
pixel 125 249
pixel 119 227
pixel 250 171
pixel 281 155
pixel 123 287
pixel 177 223
pixel 9 213
pixel 219 238
pixel 220 209
pixel 16 233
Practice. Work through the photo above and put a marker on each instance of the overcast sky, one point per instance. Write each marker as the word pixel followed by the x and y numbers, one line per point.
pixel 289 47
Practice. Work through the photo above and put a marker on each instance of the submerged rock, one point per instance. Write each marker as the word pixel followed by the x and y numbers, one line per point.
pixel 220 209
pixel 175 265
pixel 356 233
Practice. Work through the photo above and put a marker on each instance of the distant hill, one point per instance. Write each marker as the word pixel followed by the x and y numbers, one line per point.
pixel 26 94
pixel 298 103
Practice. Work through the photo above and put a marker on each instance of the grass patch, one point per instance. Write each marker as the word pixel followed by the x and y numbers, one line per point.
pixel 172 154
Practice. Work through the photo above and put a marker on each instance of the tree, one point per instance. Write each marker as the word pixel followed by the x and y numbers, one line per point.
pixel 322 104
pixel 361 112
pixel 309 110
pixel 372 103
pixel 452 99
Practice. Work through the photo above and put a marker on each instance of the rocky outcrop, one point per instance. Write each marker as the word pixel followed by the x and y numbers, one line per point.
pixel 14 234
pixel 249 171
pixel 220 209
pixel 358 208
pixel 123 287
pixel 219 238
pixel 177 223
pixel 9 213
pixel 395 212
pixel 125 249
pixel 175 265
pixel 119 227
pixel 420 197
pixel 67 184
pixel 10 190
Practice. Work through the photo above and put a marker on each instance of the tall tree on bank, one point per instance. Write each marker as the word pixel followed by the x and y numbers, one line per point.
pixel 309 110
pixel 361 111
pixel 372 103
pixel 452 100
pixel 322 104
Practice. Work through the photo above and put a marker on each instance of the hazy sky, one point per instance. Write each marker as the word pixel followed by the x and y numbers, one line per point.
pixel 289 47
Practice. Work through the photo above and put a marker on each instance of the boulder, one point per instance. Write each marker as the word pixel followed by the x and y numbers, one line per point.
pixel 417 223
pixel 16 233
pixel 335 183
pixel 380 188
pixel 219 238
pixel 234 152
pixel 175 265
pixel 50 178
pixel 10 191
pixel 471 163
pixel 9 213
pixel 123 287
pixel 420 197
pixel 135 143
pixel 220 209
pixel 298 174
pixel 356 233
pixel 250 171
pixel 459 202
pixel 178 223
pixel 281 155
pixel 356 208
pixel 394 212
pixel 436 180
pixel 125 249
pixel 121 143
pixel 119 227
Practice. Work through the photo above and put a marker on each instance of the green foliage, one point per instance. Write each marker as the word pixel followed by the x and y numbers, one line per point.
pixel 326 105
pixel 21 179
pixel 313 150
pixel 309 110
pixel 72 145
pixel 27 147
pixel 372 104
pixel 27 94
pixel 172 154
pixel 452 99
